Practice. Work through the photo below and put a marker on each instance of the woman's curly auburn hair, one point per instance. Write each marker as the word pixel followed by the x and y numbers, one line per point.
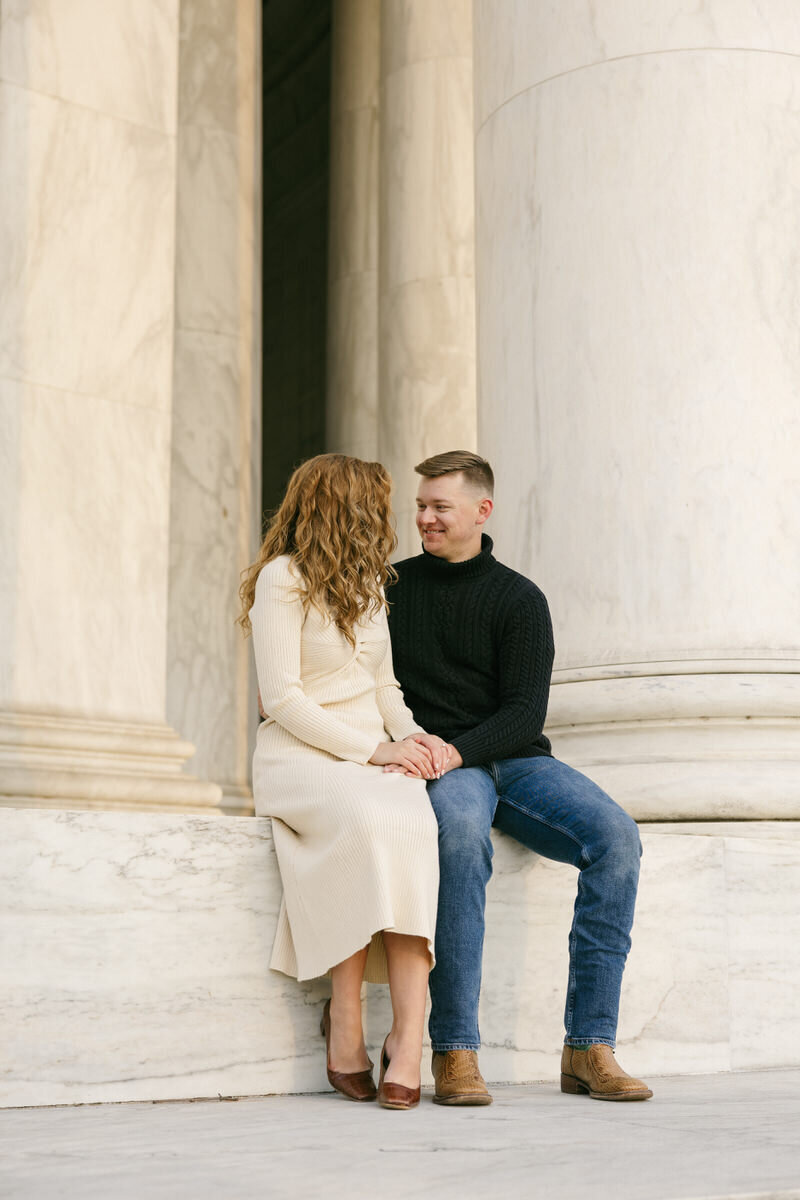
pixel 335 524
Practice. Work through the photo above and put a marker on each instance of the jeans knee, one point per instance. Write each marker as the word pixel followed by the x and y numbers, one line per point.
pixel 626 845
pixel 464 838
pixel 619 842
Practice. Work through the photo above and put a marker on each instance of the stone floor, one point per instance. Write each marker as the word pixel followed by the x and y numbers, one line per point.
pixel 701 1136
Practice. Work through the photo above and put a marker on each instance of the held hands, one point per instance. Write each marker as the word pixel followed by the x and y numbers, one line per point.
pixel 443 756
pixel 421 755
pixel 407 757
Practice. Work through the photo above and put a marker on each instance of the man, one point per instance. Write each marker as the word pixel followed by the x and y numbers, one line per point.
pixel 473 650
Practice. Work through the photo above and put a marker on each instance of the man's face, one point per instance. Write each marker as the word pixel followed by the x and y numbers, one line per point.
pixel 450 517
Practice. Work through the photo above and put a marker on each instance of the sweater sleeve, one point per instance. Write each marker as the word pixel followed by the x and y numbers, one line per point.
pixel 525 664
pixel 277 621
pixel 397 716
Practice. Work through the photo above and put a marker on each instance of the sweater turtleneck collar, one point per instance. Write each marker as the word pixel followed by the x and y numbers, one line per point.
pixel 471 568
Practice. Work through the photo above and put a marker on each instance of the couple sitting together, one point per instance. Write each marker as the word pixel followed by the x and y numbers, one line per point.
pixel 382 800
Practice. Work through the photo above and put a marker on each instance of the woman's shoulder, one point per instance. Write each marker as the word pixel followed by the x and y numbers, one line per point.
pixel 280 573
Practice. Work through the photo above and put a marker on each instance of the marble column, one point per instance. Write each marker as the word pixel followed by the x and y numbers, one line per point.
pixel 637 255
pixel 352 366
pixel 426 367
pixel 87 221
pixel 216 406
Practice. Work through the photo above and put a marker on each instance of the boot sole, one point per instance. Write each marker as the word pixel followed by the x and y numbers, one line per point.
pixel 464 1100
pixel 575 1087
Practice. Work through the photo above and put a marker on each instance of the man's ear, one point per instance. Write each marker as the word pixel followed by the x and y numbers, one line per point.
pixel 484 510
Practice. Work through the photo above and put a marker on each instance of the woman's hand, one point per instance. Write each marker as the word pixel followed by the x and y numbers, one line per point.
pixel 442 753
pixel 407 756
pixel 440 750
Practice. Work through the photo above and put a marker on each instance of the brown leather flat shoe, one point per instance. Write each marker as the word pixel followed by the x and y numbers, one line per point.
pixel 355 1085
pixel 394 1095
pixel 594 1071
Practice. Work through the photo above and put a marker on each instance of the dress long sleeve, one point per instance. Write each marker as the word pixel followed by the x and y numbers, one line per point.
pixel 277 621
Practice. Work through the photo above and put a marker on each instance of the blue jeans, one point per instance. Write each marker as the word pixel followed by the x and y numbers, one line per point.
pixel 558 813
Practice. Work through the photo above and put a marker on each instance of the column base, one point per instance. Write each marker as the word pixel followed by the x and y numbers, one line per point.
pixel 237 800
pixel 697 746
pixel 51 761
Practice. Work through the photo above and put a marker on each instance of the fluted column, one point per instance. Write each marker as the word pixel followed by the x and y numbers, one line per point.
pixel 215 495
pixel 637 249
pixel 352 366
pixel 87 214
pixel 426 242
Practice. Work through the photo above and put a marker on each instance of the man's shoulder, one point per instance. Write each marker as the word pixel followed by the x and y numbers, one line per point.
pixel 517 586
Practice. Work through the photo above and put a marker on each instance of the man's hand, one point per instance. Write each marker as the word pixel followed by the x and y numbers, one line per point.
pixel 455 760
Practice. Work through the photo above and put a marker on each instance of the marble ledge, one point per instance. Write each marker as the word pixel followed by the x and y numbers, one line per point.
pixel 139 946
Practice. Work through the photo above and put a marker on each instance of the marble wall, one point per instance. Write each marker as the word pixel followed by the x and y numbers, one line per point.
pixel 636 181
pixel 87 213
pixel 216 427
pixel 136 950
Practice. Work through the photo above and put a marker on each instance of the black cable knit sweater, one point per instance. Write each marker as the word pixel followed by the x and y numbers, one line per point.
pixel 473 651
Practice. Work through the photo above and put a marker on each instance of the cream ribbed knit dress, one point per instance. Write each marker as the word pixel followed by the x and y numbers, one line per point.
pixel 357 847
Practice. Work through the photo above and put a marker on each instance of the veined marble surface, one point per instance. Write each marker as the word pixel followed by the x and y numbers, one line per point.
pixel 529 44
pixel 426 243
pixel 89 555
pixel 635 252
pixel 115 57
pixel 633 484
pixel 351 407
pixel 87 289
pixel 216 404
pixel 135 951
pixel 88 218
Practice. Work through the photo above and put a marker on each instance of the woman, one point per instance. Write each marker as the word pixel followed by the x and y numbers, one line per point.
pixel 356 846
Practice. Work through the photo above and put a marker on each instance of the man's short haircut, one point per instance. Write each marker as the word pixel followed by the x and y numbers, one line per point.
pixel 476 470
